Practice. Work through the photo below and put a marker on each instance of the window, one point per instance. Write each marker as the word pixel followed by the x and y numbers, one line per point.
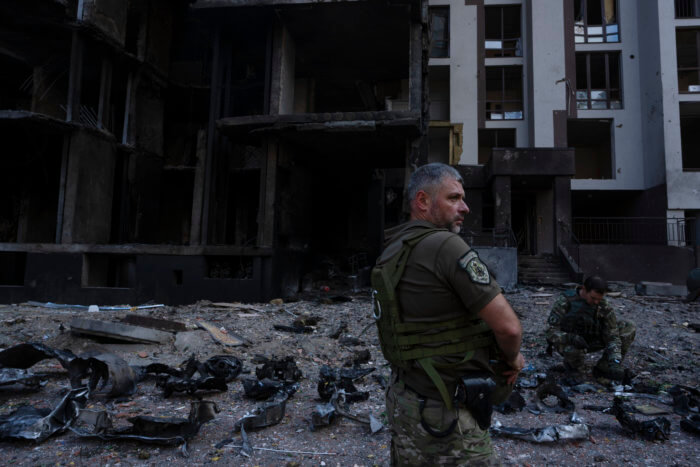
pixel 440 32
pixel 690 137
pixel 596 21
pixel 687 8
pixel 503 31
pixel 688 61
pixel 592 142
pixel 439 79
pixel 598 81
pixel 504 93
pixel 491 138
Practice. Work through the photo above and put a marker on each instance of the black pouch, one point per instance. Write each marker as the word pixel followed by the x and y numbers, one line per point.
pixel 474 391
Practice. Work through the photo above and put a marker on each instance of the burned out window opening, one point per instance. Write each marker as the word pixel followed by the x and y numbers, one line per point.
pixel 440 32
pixel 592 140
pixel 504 93
pixel 687 8
pixel 494 138
pixel 596 21
pixel 502 32
pixel 690 138
pixel 688 55
pixel 598 81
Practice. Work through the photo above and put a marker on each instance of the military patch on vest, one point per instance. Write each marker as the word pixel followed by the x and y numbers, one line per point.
pixel 478 272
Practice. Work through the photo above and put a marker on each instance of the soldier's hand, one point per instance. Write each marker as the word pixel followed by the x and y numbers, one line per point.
pixel 517 364
pixel 578 341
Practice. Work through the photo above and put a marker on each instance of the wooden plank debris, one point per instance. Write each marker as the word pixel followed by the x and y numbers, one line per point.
pixel 120 331
pixel 228 338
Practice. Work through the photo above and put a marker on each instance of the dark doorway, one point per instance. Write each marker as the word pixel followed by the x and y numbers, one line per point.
pixel 523 217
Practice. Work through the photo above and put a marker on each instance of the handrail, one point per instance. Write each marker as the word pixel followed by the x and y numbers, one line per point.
pixel 569 249
pixel 635 230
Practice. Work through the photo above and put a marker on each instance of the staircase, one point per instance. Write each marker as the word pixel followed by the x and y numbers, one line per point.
pixel 541 269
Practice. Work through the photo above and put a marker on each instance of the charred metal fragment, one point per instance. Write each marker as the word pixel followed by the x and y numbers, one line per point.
pixel 223 366
pixel 26 355
pixel 172 384
pixel 658 428
pixel 691 424
pixel 547 434
pixel 283 369
pixel 10 376
pixel 38 424
pixel 168 431
pixel 331 381
pixel 564 404
pixel 266 388
pixel 264 415
pixel 515 402
pixel 323 415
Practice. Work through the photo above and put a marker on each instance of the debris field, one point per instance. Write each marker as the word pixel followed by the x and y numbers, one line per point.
pixel 302 383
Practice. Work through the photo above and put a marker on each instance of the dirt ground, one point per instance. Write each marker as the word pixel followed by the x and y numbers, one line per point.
pixel 664 353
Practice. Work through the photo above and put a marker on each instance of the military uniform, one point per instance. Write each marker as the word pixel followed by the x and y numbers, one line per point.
pixel 443 280
pixel 571 316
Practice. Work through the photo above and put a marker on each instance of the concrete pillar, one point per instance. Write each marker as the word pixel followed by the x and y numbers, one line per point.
pixel 282 80
pixel 562 209
pixel 502 202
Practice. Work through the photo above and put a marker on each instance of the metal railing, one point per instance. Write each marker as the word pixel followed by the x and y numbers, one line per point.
pixel 569 247
pixel 635 230
pixel 501 237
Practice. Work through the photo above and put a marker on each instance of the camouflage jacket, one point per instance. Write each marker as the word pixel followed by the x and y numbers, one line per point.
pixel 571 315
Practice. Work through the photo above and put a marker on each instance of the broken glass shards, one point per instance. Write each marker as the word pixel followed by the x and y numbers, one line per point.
pixel 159 430
pixel 656 429
pixel 544 435
pixel 30 423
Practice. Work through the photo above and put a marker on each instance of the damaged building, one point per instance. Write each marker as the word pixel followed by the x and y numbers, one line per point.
pixel 172 151
pixel 228 149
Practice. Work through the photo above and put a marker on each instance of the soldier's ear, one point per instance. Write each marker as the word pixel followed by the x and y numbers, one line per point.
pixel 422 200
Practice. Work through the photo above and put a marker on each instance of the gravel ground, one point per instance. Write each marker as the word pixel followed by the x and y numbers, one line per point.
pixel 665 353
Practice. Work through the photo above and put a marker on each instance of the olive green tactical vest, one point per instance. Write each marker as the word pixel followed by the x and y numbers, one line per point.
pixel 580 318
pixel 402 342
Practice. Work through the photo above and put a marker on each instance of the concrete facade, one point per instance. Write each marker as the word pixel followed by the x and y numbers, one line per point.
pixel 639 175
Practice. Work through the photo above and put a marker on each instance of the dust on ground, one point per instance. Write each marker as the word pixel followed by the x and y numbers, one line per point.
pixel 664 353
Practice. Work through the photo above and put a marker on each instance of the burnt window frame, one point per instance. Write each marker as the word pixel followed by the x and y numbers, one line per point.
pixel 488 101
pixel 604 27
pixel 688 160
pixel 696 68
pixel 446 10
pixel 691 6
pixel 517 50
pixel 608 90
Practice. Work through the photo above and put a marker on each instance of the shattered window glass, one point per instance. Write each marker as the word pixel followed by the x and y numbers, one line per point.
pixel 440 32
pixel 502 31
pixel 598 84
pixel 595 21
pixel 504 93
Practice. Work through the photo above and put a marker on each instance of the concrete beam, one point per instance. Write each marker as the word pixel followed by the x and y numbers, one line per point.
pixel 119 331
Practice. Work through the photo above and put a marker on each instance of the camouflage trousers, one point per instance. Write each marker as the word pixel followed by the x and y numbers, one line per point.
pixel 575 357
pixel 412 445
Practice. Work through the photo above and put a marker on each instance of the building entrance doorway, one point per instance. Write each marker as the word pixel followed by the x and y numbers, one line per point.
pixel 523 218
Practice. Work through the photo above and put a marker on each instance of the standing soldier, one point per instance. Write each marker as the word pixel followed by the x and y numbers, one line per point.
pixel 451 337
pixel 582 321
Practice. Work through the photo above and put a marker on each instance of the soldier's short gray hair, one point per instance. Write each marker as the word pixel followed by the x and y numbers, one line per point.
pixel 428 177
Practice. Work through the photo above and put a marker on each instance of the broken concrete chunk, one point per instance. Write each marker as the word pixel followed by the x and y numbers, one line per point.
pixel 665 289
pixel 119 331
pixel 154 323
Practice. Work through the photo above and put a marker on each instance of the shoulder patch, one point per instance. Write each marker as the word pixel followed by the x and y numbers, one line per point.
pixel 478 272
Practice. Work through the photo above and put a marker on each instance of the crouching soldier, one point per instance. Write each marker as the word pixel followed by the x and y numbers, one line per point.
pixel 582 321
pixel 451 337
